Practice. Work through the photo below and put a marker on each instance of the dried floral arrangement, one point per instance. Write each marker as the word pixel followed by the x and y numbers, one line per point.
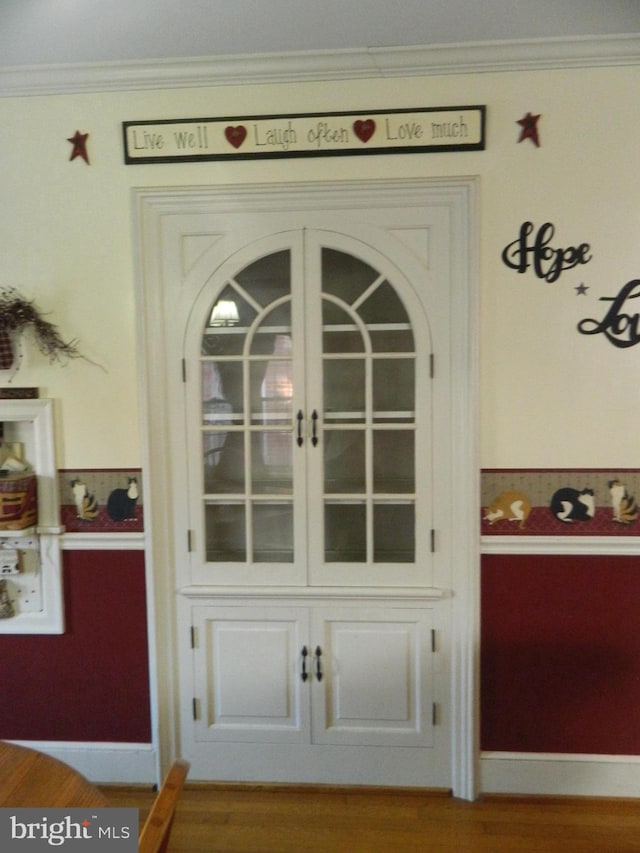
pixel 17 314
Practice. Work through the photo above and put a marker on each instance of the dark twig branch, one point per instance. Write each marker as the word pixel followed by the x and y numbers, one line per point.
pixel 17 314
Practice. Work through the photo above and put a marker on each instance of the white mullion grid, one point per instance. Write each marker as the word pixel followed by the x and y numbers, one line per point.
pixel 246 296
pixel 367 292
pixel 251 428
pixel 247 361
pixel 368 448
pixel 246 405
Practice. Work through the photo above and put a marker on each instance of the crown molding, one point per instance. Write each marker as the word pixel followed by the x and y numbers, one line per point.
pixel 310 66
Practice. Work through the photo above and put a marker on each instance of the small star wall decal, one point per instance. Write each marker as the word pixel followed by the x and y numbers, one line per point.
pixel 529 125
pixel 581 289
pixel 79 142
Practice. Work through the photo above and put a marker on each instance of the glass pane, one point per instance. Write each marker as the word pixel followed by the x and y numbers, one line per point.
pixel 394 533
pixel 344 388
pixel 273 335
pixel 383 306
pixel 345 533
pixel 342 340
pixel 271 462
pixel 268 278
pixel 393 386
pixel 344 468
pixel 391 340
pixel 345 276
pixel 221 385
pixel 226 324
pixel 225 532
pixel 272 533
pixel 271 391
pixel 280 315
pixel 339 332
pixel 223 462
pixel 393 461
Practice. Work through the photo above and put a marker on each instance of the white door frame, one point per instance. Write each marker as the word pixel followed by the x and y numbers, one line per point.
pixel 154 211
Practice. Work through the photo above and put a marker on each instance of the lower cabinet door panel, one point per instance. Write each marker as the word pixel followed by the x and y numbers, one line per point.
pixel 334 676
pixel 376 671
pixel 248 685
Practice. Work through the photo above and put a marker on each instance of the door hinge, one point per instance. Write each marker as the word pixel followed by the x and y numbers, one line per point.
pixel 184 369
pixel 433 540
pixel 432 366
pixel 435 714
pixel 194 637
pixel 196 708
pixel 189 540
pixel 434 641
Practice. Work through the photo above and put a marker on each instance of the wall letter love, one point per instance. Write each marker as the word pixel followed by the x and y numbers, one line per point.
pixel 619 328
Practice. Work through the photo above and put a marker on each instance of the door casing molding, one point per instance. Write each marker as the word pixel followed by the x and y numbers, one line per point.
pixel 154 212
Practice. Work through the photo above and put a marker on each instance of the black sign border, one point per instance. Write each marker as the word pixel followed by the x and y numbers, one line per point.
pixel 279 155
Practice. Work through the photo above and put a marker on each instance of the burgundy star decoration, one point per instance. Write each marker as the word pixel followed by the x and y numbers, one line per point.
pixel 79 142
pixel 529 125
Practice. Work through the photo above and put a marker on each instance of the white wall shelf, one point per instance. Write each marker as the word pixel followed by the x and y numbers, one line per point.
pixel 36 592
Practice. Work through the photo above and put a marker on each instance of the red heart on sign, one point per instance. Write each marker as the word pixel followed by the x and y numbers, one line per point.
pixel 364 130
pixel 236 135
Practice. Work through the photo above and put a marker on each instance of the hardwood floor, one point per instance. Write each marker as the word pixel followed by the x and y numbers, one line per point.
pixel 246 819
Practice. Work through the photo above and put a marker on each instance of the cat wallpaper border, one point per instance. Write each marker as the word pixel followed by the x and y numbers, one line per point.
pixel 101 500
pixel 560 502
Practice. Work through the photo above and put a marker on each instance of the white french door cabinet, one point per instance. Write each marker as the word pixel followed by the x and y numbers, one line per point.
pixel 308 363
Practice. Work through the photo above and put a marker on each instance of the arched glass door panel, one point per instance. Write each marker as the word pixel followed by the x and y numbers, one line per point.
pixel 368 416
pixel 247 393
pixel 308 397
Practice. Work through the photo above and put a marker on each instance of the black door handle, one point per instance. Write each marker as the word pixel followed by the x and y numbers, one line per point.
pixel 299 418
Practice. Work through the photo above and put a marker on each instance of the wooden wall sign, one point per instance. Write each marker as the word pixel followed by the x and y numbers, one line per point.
pixel 305 135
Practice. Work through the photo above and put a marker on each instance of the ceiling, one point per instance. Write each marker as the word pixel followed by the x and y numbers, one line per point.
pixel 36 32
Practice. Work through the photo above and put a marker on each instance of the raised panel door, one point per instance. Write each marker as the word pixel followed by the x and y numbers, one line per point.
pixel 247 674
pixel 376 686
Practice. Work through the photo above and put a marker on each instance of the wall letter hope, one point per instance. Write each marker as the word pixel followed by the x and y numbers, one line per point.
pixel 548 263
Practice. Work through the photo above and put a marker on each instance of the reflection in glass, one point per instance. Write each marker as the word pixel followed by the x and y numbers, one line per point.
pixel 225 531
pixel 227 323
pixel 223 462
pixel 272 385
pixel 272 533
pixel 393 461
pixel 345 533
pixel 221 389
pixel 344 468
pixel 271 462
pixel 394 533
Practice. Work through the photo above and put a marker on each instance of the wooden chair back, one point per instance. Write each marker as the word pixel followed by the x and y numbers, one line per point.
pixel 154 837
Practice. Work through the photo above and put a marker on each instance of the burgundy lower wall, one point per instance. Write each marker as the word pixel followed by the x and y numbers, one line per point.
pixel 92 682
pixel 560 654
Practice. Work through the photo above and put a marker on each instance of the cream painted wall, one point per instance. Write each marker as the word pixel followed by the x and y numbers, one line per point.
pixel 550 397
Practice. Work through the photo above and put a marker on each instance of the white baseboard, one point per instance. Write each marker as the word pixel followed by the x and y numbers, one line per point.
pixel 560 775
pixel 105 763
